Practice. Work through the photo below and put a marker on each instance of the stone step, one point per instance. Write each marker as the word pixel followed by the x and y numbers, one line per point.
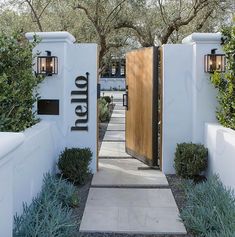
pixel 126 172
pixel 114 120
pixel 116 127
pixel 114 136
pixel 131 211
pixel 113 149
pixel 118 113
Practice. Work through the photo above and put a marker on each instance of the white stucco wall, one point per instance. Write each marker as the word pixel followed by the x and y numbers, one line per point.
pixel 73 60
pixel 189 98
pixel 29 155
pixel 25 157
pixel 110 83
pixel 220 142
pixel 82 58
pixel 177 102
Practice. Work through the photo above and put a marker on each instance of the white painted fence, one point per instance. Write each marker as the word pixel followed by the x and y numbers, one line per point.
pixel 220 142
pixel 112 84
pixel 24 159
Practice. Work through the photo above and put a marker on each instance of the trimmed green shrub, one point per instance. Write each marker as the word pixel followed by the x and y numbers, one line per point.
pixel 190 159
pixel 61 190
pixel 107 99
pixel 103 110
pixel 74 164
pixel 17 83
pixel 48 215
pixel 210 209
pixel 225 82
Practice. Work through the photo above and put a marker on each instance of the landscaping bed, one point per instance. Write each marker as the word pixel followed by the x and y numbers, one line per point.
pixel 83 191
pixel 176 186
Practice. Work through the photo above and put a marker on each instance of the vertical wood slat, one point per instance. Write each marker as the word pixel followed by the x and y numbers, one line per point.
pixel 139 117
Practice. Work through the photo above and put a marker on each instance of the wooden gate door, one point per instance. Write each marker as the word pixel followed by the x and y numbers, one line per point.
pixel 142 105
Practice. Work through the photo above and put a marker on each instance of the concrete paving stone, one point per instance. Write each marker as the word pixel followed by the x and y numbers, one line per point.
pixel 117 120
pixel 119 107
pixel 124 172
pixel 117 95
pixel 127 197
pixel 131 211
pixel 118 113
pixel 116 127
pixel 114 136
pixel 113 149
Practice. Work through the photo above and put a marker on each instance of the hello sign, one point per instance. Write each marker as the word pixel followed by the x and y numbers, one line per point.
pixel 81 98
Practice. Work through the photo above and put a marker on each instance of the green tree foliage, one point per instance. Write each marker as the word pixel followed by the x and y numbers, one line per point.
pixel 118 25
pixel 17 83
pixel 225 82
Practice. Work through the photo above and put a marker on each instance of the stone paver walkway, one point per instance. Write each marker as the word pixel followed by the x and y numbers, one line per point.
pixel 124 198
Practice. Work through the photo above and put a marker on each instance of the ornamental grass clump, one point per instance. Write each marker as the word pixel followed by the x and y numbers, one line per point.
pixel 190 160
pixel 103 110
pixel 209 209
pixel 60 189
pixel 49 214
pixel 74 164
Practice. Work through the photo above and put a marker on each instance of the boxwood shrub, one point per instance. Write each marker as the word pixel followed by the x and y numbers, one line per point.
pixel 74 164
pixel 190 159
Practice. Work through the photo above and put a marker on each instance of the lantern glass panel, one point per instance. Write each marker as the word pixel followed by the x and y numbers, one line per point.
pixel 43 65
pixel 214 62
pixel 47 65
pixel 122 70
pixel 113 69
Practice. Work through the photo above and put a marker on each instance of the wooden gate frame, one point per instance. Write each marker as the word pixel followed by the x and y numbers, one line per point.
pixel 155 106
pixel 160 98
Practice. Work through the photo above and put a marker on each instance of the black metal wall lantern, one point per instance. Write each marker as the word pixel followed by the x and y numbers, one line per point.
pixel 47 65
pixel 214 62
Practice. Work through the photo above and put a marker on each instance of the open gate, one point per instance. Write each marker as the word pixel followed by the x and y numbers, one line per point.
pixel 142 102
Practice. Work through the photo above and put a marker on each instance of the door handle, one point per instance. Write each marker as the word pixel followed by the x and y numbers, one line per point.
pixel 125 100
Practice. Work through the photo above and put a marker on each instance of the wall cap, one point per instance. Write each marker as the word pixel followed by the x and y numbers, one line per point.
pixel 57 36
pixel 203 38
pixel 9 141
pixel 217 126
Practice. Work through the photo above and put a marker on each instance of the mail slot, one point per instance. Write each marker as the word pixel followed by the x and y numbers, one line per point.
pixel 48 107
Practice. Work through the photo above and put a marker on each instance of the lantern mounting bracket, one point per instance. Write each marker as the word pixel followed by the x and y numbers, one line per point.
pixel 213 51
pixel 48 53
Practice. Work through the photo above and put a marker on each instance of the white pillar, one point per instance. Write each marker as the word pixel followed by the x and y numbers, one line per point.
pixel 203 92
pixel 77 119
pixel 189 98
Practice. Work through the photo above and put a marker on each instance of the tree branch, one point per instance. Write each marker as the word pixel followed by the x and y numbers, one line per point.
pixel 45 7
pixel 35 15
